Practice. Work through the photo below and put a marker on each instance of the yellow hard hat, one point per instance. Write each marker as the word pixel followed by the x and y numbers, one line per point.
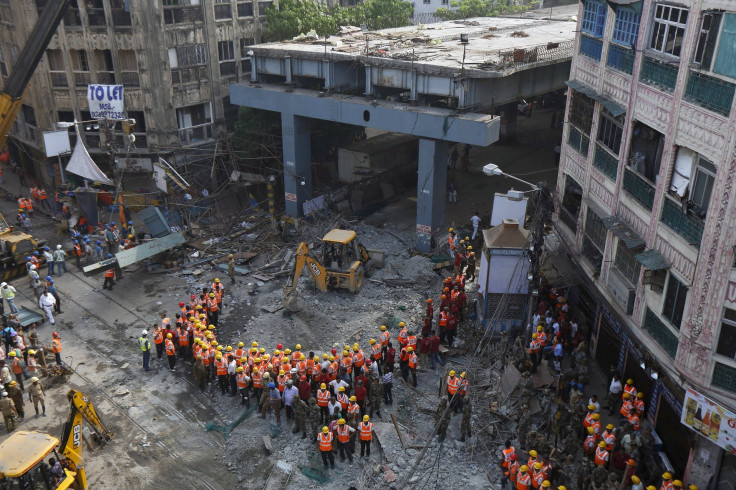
pixel 168 336
pixel 342 388
pixel 470 247
pixel 591 430
pixel 452 373
pixel 356 346
pixel 210 335
pixel 218 355
pixel 243 360
pixel 347 347
pixel 253 350
pixel 666 475
pixel 533 453
pixel 451 229
pixel 602 444
pixel 192 319
pixel 463 374
pixel 629 381
pixel 270 366
pixel 12 353
pixel 213 343
pixel 562 487
pixel 219 348
pixel 692 487
pixel 301 357
pixel 410 349
pixel 383 327
pixel 524 468
pixel 31 352
pixel 635 479
pixel 239 369
pixel 372 341
pixel 539 328
pixel 677 483
pixel 257 359
pixel 281 372
pixel 591 407
pixel 537 465
pixel 325 429
pixel 366 418
pixel 276 352
pixel 353 399
pixel 402 324
pixel 211 327
pixel 298 346
pixel 262 350
pixel 266 357
pixel 217 280
pixel 626 396
pixel 12 383
pixel 254 344
pixel 640 395
pixel 229 348
pixel 546 483
pixel 287 351
pixel 609 427
pixel 323 386
pixel 332 358
pixel 345 353
pixel 241 344
pixel 596 416
pixel 341 421
pixel 212 295
pixel 651 487
pixel 325 356
pixel 198 356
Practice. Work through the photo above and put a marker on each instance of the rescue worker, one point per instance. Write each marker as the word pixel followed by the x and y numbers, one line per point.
pixel 324 439
pixel 56 347
pixel 36 394
pixel 666 480
pixel 17 367
pixel 365 428
pixel 145 346
pixel 344 433
pixel 511 472
pixel 375 392
pixel 200 372
pixel 158 340
pixel 639 404
pixel 589 443
pixel 273 402
pixel 601 455
pixel 109 277
pixel 609 437
pixel 60 260
pixel 7 407
pixel 465 423
pixel 537 475
pixel 15 393
pixel 470 269
pixel 453 383
pixel 170 352
pixel 213 310
pixel 412 364
pixel 231 268
pixel 221 371
pixel 323 400
pixel 523 479
pixel 300 413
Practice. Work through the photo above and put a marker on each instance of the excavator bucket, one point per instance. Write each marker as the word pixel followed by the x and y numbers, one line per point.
pixel 290 301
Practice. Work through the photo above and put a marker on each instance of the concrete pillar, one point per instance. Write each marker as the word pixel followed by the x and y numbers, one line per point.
pixel 297 162
pixel 431 190
pixel 508 121
pixel 287 68
pixel 413 81
pixel 368 80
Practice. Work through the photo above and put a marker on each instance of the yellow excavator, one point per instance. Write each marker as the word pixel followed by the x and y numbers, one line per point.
pixel 344 264
pixel 22 455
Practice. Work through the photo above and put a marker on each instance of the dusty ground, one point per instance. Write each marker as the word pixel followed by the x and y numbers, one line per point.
pixel 159 417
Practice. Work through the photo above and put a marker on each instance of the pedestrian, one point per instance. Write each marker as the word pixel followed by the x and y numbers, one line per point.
pixel 77 252
pixel 465 423
pixel 7 407
pixel 475 220
pixel 109 277
pixel 365 429
pixel 36 394
pixel 529 107
pixel 46 302
pixel 290 394
pixel 200 371
pixel 453 158
pixel 15 393
pixel 145 346
pixel 424 352
pixel 452 188
pixel 7 334
pixel 470 269
pixel 231 268
pixel 49 256
pixel 558 151
pixel 17 367
pixel 388 384
pixel 51 288
pixel 56 346
pixel 376 392
pixel 614 391
pixel 170 352
pixel 344 433
pixel 35 282
pixel 325 446
pixel 273 402
pixel 412 364
pixel 60 259
pixel 434 350
pixel 390 358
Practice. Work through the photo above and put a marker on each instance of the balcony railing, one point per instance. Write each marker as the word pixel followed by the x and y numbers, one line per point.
pixel 181 15
pixel 658 74
pixel 660 333
pixel 96 18
pixel 106 77
pixel 58 79
pixel 195 134
pixel 578 141
pixel 684 224
pixel 591 47
pixel 710 92
pixel 639 188
pixel 130 79
pixel 223 11
pixel 620 58
pixel 190 74
pixel 724 376
pixel 82 79
pixel 605 162
pixel 121 18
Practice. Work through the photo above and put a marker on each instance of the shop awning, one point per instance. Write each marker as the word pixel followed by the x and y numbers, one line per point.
pixel 612 107
pixel 652 260
pixel 624 232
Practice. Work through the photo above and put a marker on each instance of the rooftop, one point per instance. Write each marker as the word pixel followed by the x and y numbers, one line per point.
pixel 497 45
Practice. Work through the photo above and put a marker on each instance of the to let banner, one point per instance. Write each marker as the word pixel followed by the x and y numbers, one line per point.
pixel 710 420
pixel 105 101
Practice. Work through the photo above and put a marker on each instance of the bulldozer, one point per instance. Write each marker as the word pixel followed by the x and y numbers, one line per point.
pixel 344 263
pixel 22 454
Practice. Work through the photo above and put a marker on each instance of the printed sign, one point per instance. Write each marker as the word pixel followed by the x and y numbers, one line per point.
pixel 427 230
pixel 105 101
pixel 289 196
pixel 710 420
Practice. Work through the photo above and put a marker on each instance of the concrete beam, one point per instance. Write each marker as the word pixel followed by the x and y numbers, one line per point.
pixel 424 122
pixel 431 190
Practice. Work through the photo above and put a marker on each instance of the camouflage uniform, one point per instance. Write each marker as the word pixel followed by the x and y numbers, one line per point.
pixel 375 392
pixel 200 374
pixel 300 413
pixel 16 394
pixel 465 423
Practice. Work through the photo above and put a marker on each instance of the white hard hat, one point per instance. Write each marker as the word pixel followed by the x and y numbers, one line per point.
pixel 58 247
pixel 33 267
pixel 145 332
pixel 3 284
pixel 5 393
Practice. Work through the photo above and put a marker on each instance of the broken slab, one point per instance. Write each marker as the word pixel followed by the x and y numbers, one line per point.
pixel 280 476
pixel 239 270
pixel 509 380
pixel 267 444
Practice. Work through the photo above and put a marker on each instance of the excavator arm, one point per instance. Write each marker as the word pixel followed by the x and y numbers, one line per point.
pixel 11 96
pixel 318 272
pixel 80 408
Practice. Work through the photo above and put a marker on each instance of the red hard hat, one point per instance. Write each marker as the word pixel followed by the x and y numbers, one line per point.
pixel 429 300
pixel 181 303
pixel 513 457
pixel 55 334
pixel 280 346
pixel 303 378
pixel 194 296
pixel 334 352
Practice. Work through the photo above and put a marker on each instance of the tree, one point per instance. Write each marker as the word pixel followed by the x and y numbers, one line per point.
pixel 291 18
pixel 466 9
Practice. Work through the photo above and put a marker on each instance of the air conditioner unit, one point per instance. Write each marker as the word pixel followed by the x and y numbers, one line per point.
pixel 621 290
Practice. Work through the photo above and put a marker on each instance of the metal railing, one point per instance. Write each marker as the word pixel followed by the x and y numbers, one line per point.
pixel 181 15
pixel 195 134
pixel 605 162
pixel 578 141
pixel 121 18
pixel 710 92
pixel 190 74
pixel 684 224
pixel 661 334
pixel 639 188
pixel 507 58
pixel 658 74
pixel 58 79
pixel 724 376
pixel 620 58
pixel 96 18
pixel 591 47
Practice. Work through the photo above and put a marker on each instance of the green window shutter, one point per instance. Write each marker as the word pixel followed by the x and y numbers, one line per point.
pixel 726 57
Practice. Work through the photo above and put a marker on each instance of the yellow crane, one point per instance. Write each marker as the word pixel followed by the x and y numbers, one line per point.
pixel 22 454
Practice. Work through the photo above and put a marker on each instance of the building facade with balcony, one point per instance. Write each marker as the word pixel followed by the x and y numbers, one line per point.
pixel 646 203
pixel 175 59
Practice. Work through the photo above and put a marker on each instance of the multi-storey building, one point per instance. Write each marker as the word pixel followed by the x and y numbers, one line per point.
pixel 646 208
pixel 175 59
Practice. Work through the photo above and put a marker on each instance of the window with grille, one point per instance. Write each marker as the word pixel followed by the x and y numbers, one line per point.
pixel 595 229
pixel 594 18
pixel 581 111
pixel 79 60
pixel 223 10
pixel 707 38
pixel 727 338
pixel 626 26
pixel 226 50
pixel 674 301
pixel 668 29
pixel 702 187
pixel 610 131
pixel 245 9
pixel 626 263
pixel 191 55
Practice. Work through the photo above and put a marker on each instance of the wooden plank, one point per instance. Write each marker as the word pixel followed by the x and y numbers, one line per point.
pixel 398 431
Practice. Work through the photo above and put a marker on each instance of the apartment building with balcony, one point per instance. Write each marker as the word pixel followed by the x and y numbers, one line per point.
pixel 175 59
pixel 646 204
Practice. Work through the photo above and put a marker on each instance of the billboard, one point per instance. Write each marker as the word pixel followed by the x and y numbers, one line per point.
pixel 710 420
pixel 105 101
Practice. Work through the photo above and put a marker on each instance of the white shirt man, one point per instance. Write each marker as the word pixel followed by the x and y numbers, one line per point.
pixel 289 393
pixel 336 384
pixel 475 219
pixel 47 302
